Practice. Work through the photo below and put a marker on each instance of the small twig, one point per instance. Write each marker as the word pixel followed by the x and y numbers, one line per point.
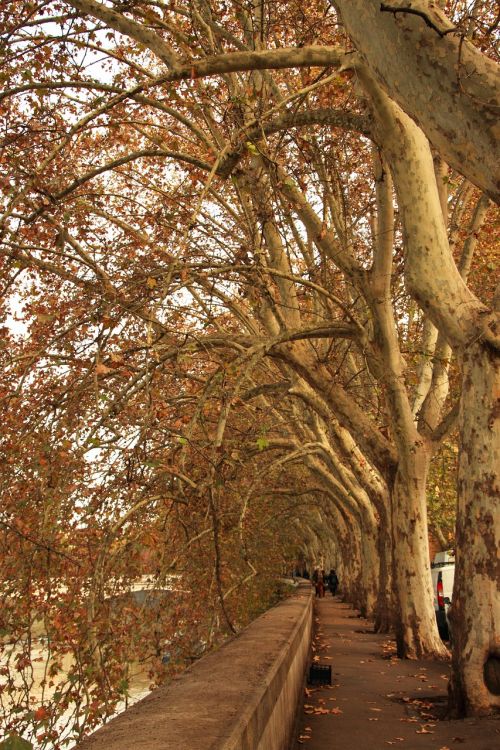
pixel 384 8
pixel 36 543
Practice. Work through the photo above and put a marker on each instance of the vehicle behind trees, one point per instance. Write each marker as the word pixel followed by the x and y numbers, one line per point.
pixel 443 576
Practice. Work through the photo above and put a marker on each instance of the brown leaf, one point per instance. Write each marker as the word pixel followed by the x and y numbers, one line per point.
pixel 101 369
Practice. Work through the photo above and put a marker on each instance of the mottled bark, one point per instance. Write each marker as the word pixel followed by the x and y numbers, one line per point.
pixel 416 631
pixel 437 77
pixel 476 595
pixel 369 571
pixel 384 617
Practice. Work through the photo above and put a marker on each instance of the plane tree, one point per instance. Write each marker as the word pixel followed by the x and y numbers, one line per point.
pixel 142 113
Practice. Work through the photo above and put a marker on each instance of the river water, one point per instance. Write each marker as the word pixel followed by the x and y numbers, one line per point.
pixel 33 678
pixel 30 680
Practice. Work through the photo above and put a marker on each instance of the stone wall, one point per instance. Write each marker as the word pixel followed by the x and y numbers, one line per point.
pixel 242 697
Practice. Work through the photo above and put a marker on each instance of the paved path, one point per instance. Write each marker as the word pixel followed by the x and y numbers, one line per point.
pixel 376 700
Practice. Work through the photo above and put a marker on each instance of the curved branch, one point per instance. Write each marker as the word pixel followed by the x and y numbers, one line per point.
pixel 323 116
pixel 125 160
pixel 132 29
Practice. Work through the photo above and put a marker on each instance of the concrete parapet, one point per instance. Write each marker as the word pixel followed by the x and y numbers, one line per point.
pixel 242 697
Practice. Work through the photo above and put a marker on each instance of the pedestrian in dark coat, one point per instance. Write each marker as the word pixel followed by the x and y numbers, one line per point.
pixel 333 582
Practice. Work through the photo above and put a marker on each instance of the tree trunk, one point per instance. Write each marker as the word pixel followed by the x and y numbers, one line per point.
pixel 416 630
pixel 384 607
pixel 475 614
pixel 369 571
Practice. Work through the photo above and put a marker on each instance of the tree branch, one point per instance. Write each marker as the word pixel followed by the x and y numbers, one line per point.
pixel 132 29
pixel 384 8
pixel 446 424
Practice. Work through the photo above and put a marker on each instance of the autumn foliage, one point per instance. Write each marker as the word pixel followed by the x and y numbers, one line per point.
pixel 212 366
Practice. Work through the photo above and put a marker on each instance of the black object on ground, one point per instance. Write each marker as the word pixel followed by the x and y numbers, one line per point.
pixel 320 674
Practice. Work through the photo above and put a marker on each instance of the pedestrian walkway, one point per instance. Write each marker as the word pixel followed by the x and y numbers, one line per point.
pixel 377 700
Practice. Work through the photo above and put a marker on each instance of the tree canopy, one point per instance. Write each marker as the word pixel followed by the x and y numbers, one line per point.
pixel 248 304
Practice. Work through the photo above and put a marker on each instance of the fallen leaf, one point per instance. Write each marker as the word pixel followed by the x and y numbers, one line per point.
pixel 336 710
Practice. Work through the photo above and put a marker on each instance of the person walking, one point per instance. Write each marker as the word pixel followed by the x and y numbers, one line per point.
pixel 333 582
pixel 320 585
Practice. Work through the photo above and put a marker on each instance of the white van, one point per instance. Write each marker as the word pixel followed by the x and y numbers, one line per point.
pixel 443 575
